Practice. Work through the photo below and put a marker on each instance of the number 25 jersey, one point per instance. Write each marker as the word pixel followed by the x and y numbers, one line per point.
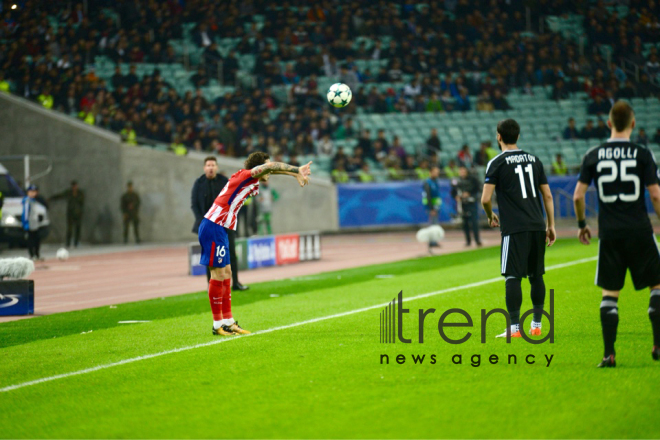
pixel 517 176
pixel 620 171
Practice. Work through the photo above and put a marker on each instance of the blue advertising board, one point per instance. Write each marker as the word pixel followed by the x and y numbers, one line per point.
pixel 261 252
pixel 400 203
pixel 388 204
pixel 16 297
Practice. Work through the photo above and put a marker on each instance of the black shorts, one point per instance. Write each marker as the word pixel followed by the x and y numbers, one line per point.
pixel 616 256
pixel 523 254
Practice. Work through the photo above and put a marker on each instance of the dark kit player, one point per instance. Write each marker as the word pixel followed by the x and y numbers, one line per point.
pixel 213 236
pixel 519 180
pixel 620 170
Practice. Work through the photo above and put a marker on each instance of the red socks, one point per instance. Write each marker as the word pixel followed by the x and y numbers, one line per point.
pixel 226 299
pixel 216 295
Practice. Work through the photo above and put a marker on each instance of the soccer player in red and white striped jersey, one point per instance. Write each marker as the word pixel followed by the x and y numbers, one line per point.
pixel 213 236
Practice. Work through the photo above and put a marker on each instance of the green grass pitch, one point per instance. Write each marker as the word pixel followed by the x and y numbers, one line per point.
pixel 324 379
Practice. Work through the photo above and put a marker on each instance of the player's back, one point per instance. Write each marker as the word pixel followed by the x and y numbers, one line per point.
pixel 517 176
pixel 240 186
pixel 618 169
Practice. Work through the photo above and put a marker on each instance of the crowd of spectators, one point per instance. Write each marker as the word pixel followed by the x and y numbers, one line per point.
pixel 395 162
pixel 453 50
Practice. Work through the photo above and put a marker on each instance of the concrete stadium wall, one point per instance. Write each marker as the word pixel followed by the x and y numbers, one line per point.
pixel 102 166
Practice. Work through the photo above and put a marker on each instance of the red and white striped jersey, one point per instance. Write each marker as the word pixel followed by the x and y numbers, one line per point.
pixel 225 208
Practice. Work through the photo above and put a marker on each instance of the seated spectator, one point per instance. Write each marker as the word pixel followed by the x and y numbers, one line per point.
pixel 644 88
pixel 574 85
pixel 463 101
pixel 339 174
pixel 653 66
pixel 451 170
pixel 570 132
pixel 356 161
pixel 203 37
pixel 398 149
pixel 500 102
pixel 339 156
pixel 200 79
pixel 364 174
pixel 642 137
pixel 325 146
pixel 365 143
pixel 412 90
pixel 599 106
pixel 345 130
pixel 627 91
pixel 559 167
pixel 656 136
pixel 465 156
pixel 481 156
pixel 434 105
pixel 589 131
pixel 383 140
pixel 492 152
pixel 422 171
pixel 433 143
pixel 379 151
pixel 559 91
pixel 602 131
pixel 117 79
pixel 448 101
pixel 409 167
pixel 393 167
pixel 484 103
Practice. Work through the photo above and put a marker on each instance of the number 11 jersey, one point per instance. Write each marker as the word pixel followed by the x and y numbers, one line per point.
pixel 517 176
pixel 620 170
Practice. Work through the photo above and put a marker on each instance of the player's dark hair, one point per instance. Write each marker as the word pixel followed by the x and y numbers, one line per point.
pixel 621 115
pixel 212 158
pixel 255 159
pixel 509 130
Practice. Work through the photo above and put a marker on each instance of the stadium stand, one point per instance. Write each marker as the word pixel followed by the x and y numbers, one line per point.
pixel 176 76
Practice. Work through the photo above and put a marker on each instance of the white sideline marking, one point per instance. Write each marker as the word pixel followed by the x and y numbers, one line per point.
pixel 270 330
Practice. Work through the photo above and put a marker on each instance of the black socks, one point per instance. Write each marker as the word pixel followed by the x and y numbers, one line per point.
pixel 538 296
pixel 654 315
pixel 609 320
pixel 513 299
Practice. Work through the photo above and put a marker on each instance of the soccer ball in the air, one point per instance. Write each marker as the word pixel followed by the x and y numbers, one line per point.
pixel 339 95
pixel 62 254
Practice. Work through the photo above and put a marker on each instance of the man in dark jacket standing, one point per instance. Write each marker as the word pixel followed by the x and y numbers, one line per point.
pixel 205 190
pixel 130 208
pixel 75 202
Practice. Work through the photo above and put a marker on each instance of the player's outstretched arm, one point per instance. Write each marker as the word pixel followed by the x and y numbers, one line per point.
pixel 302 174
pixel 548 202
pixel 486 196
pixel 584 234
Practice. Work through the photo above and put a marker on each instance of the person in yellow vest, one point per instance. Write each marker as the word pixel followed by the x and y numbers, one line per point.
pixel 339 174
pixel 422 171
pixel 559 167
pixel 451 170
pixel 178 147
pixel 4 84
pixel 364 174
pixel 46 99
pixel 490 151
pixel 128 135
pixel 87 117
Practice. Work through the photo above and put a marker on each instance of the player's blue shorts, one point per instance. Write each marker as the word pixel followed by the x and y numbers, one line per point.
pixel 215 244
